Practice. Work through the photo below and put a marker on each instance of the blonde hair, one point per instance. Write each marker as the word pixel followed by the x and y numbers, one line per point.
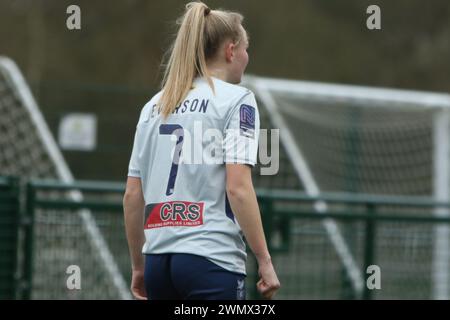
pixel 201 33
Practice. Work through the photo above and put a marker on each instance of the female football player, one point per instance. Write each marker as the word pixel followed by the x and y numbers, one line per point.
pixel 187 211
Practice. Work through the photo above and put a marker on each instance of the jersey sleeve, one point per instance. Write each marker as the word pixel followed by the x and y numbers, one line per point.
pixel 241 134
pixel 133 167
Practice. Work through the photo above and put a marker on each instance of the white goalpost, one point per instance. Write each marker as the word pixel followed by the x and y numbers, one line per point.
pixel 441 254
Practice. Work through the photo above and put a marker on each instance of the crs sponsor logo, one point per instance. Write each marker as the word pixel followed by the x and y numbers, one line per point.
pixel 173 214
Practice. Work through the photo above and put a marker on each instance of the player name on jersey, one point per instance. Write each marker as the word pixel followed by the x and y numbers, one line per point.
pixel 187 106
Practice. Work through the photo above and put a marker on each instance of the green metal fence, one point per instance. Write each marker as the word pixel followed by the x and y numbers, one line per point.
pixel 70 229
pixel 395 233
pixel 9 227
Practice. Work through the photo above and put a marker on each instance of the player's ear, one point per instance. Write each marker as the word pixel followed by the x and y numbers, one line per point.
pixel 229 51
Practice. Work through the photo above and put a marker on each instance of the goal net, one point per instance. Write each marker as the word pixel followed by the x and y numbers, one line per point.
pixel 27 149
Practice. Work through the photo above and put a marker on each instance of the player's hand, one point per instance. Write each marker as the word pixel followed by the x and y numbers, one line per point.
pixel 138 286
pixel 268 283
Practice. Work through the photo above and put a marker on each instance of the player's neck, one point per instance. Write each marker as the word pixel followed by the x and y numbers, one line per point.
pixel 218 72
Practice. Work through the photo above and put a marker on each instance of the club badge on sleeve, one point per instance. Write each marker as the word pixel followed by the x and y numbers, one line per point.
pixel 247 121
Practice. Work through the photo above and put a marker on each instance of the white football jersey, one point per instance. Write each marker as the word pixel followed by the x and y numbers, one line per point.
pixel 181 163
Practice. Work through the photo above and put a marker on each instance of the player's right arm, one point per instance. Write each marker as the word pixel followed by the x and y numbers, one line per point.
pixel 240 150
pixel 243 202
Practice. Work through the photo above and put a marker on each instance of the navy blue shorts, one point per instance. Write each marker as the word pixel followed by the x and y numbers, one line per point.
pixel 179 276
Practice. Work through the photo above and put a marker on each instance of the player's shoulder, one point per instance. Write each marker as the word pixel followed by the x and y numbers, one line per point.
pixel 231 92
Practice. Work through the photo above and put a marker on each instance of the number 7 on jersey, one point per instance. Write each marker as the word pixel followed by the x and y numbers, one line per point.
pixel 177 130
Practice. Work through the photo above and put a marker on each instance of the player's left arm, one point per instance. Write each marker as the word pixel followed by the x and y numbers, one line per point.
pixel 133 205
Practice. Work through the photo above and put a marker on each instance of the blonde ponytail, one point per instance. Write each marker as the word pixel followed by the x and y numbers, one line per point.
pixel 200 34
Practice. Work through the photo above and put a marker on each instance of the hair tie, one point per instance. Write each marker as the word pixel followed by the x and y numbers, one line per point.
pixel 207 11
